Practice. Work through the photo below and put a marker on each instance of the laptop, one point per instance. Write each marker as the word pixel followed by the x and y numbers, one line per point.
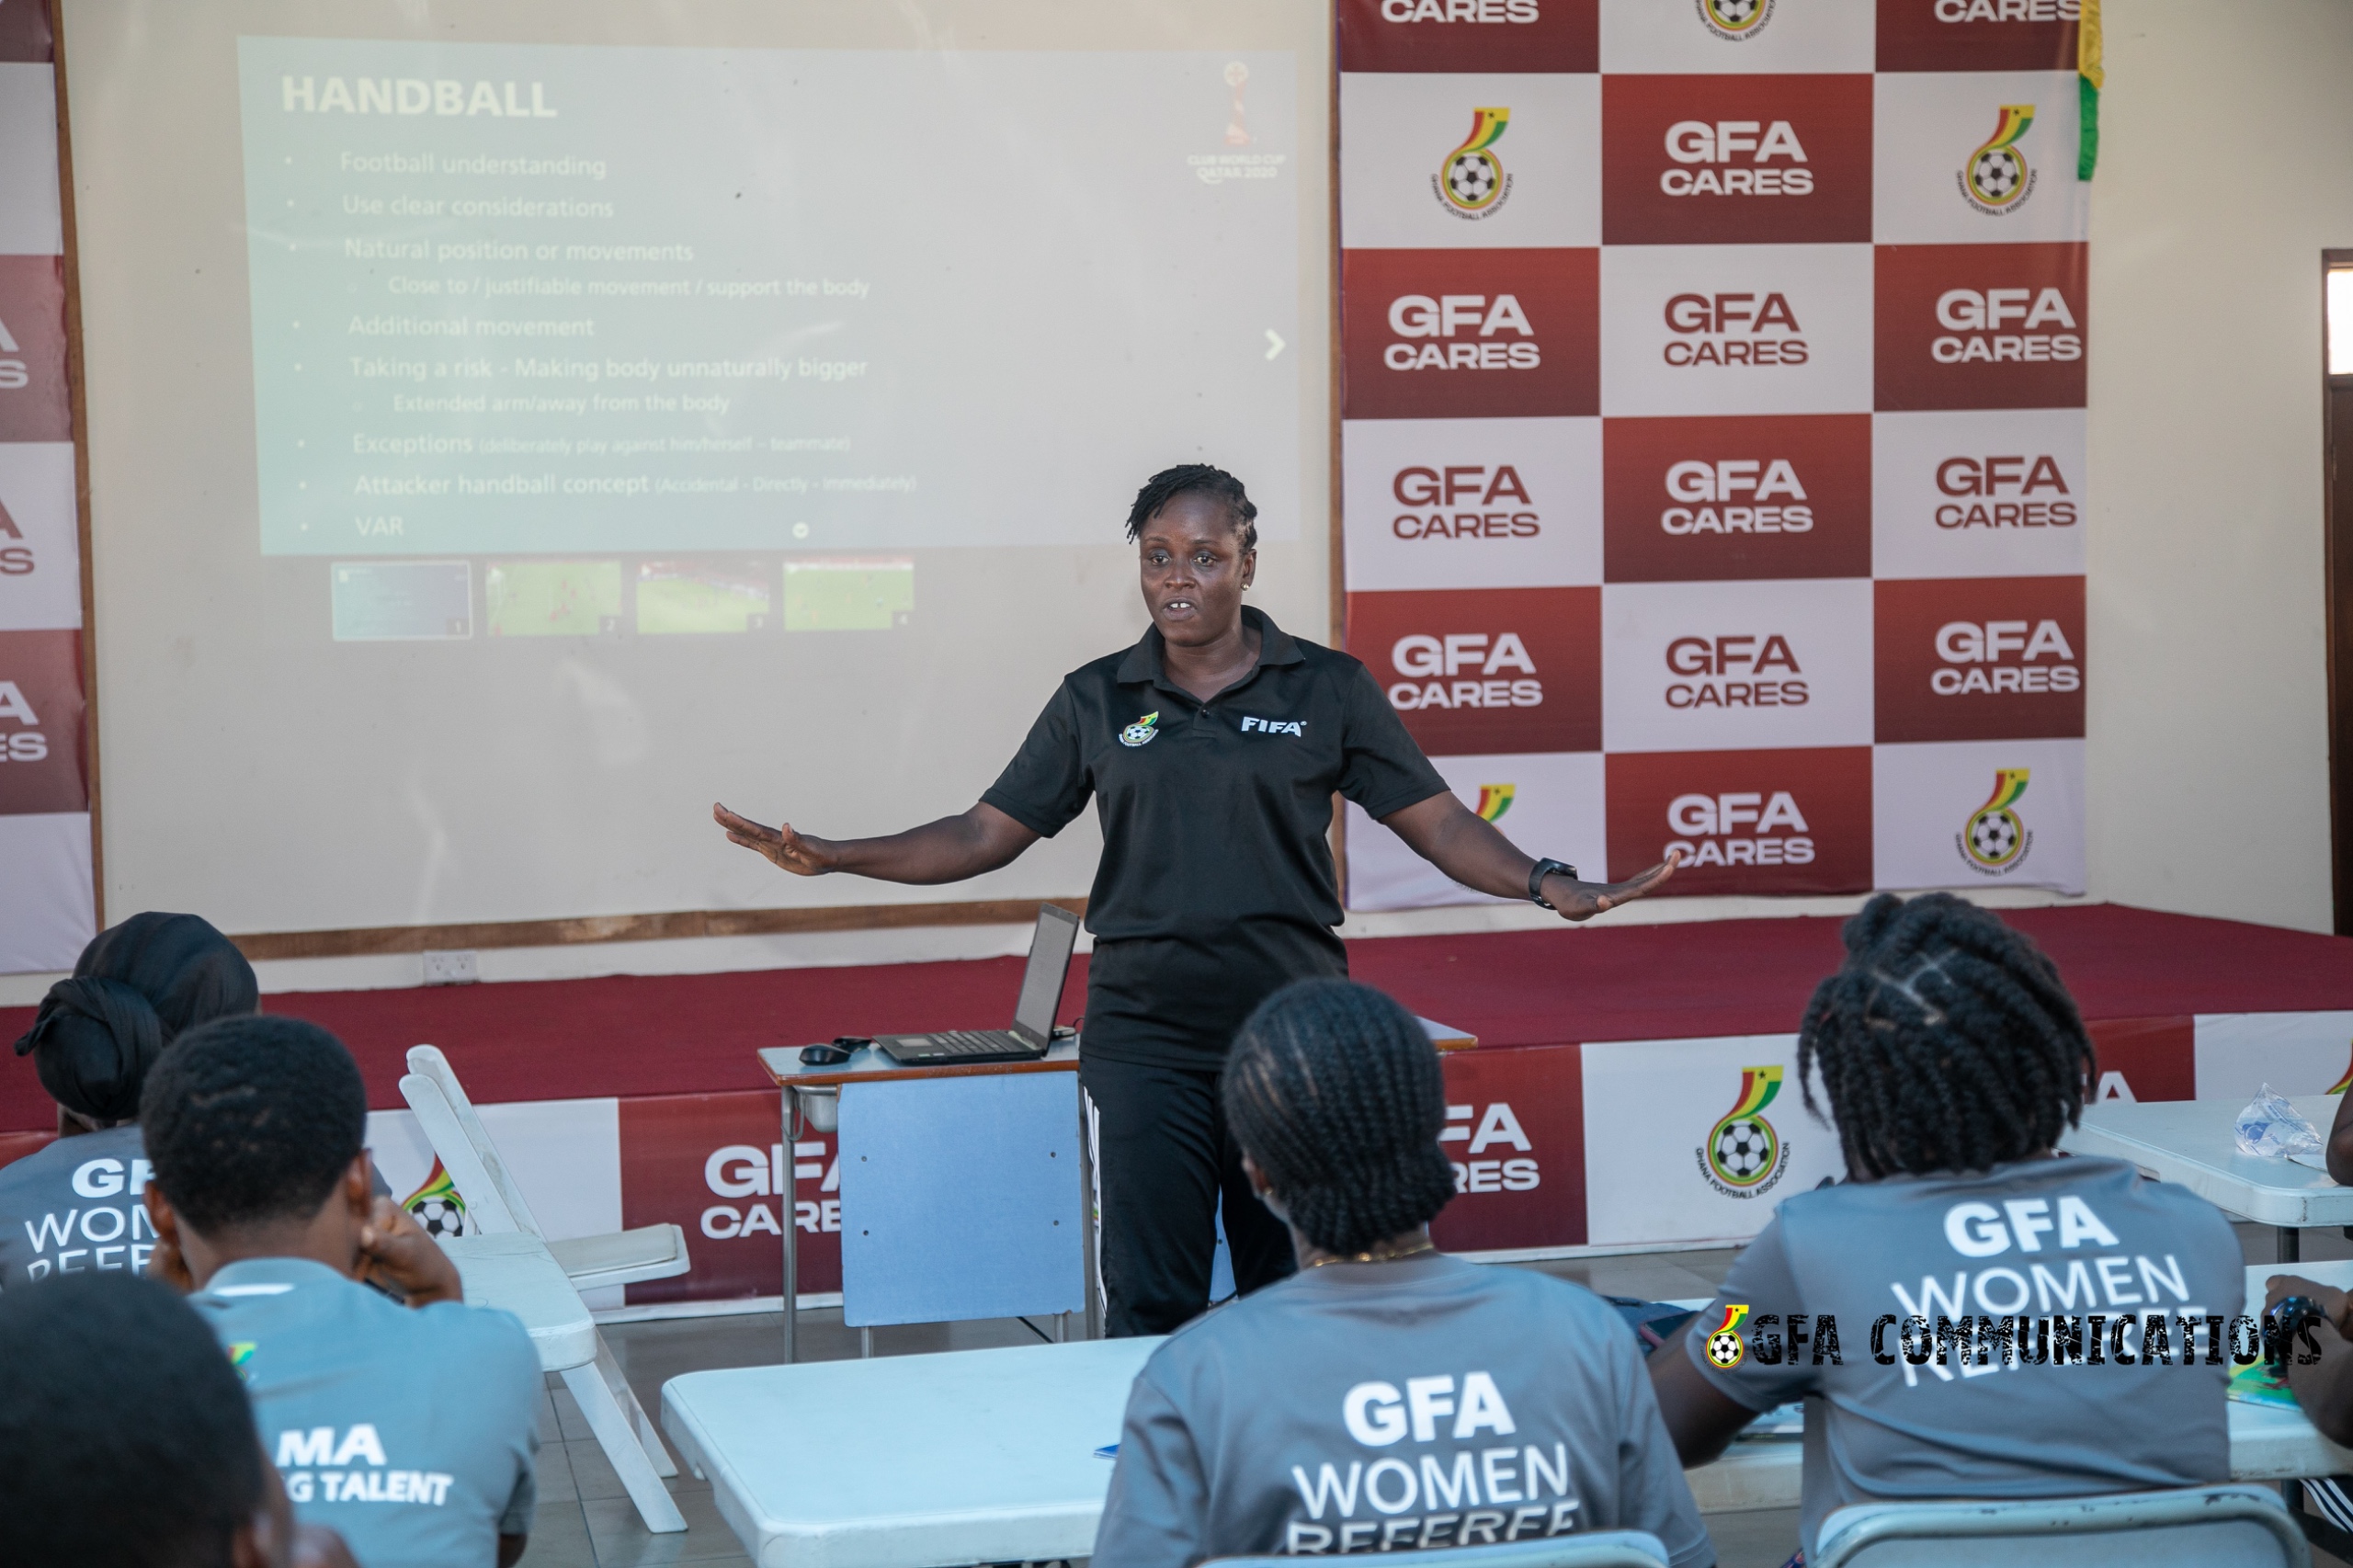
pixel 1033 1014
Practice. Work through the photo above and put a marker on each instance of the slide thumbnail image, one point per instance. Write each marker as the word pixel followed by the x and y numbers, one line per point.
pixel 552 599
pixel 868 595
pixel 702 596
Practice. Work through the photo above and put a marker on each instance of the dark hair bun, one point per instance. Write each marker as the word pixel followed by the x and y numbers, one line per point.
pixel 1336 1093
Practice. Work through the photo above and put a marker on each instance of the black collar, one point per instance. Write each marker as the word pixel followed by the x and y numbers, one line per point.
pixel 1144 667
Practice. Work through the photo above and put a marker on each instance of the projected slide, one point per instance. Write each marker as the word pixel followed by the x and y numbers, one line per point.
pixel 533 305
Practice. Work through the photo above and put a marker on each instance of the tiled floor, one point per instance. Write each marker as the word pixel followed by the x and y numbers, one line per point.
pixel 586 1520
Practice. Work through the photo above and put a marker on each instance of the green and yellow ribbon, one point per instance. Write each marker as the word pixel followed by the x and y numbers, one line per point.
pixel 2090 77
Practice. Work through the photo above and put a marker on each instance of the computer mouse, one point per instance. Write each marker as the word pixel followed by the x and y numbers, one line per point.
pixel 825 1055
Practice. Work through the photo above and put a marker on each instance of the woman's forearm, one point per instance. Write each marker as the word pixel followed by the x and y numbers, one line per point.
pixel 1464 845
pixel 947 851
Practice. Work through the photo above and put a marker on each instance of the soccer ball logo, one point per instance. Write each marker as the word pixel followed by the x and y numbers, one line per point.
pixel 441 1216
pixel 437 1204
pixel 1994 836
pixel 1996 176
pixel 1995 840
pixel 1723 1347
pixel 1734 18
pixel 1473 179
pixel 1744 1150
pixel 1471 182
pixel 1141 731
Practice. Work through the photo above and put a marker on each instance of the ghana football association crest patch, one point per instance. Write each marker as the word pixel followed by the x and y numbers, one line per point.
pixel 1141 731
pixel 1471 183
pixel 1994 842
pixel 437 1205
pixel 1735 21
pixel 1724 1348
pixel 1744 1156
pixel 1998 179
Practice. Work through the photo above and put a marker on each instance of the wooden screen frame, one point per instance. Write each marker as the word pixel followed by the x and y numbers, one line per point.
pixel 2336 513
pixel 673 926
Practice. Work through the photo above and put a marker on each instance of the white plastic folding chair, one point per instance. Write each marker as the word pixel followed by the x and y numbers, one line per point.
pixel 497 1207
pixel 1596 1548
pixel 623 1257
pixel 2200 1527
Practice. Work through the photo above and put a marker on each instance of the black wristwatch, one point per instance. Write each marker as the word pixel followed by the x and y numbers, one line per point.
pixel 1543 870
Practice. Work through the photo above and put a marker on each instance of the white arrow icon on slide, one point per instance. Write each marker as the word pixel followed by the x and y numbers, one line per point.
pixel 1274 343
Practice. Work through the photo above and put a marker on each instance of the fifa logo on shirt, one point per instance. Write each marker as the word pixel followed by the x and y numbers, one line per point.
pixel 1744 1156
pixel 1725 1350
pixel 1472 183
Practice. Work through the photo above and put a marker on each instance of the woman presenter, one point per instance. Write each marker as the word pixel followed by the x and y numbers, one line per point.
pixel 1212 748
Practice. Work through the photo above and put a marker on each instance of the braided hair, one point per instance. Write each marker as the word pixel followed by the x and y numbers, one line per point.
pixel 1336 1093
pixel 1946 1041
pixel 1192 478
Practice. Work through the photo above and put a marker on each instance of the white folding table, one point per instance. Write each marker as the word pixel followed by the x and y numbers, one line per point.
pixel 990 1455
pixel 971 1456
pixel 2190 1142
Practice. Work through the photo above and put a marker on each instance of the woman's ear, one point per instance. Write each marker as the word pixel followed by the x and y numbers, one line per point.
pixel 1264 1188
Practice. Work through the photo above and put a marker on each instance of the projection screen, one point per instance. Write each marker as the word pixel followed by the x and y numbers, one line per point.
pixel 513 427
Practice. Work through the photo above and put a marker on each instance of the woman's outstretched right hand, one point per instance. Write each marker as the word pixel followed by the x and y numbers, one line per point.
pixel 801 856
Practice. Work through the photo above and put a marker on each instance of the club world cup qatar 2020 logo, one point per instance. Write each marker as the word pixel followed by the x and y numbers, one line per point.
pixel 1472 183
pixel 1737 21
pixel 1998 179
pixel 1994 842
pixel 1744 1156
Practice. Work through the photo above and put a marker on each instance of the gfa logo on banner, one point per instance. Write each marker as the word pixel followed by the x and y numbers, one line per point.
pixel 1995 843
pixel 1744 1157
pixel 1996 179
pixel 1472 183
pixel 1735 21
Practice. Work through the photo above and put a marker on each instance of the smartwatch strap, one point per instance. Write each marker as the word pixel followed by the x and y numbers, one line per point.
pixel 1544 869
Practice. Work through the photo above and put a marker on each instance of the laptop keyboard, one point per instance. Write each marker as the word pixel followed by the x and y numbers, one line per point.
pixel 970 1042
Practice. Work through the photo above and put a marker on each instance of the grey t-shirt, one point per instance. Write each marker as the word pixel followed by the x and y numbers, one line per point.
pixel 1424 1403
pixel 79 1204
pixel 76 1206
pixel 2066 1238
pixel 413 1431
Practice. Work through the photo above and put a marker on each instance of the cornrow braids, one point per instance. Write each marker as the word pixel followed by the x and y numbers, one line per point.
pixel 1945 1041
pixel 1186 479
pixel 1336 1093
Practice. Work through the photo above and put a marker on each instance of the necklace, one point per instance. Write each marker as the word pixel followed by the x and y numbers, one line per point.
pixel 1426 1244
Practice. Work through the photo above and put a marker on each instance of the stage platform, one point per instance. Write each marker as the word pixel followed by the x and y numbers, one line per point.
pixel 1594 1115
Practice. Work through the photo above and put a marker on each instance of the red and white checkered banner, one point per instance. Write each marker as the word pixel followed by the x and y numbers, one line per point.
pixel 1714 432
pixel 46 913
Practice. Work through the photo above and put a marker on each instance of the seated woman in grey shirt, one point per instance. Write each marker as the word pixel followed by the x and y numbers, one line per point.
pixel 1386 1397
pixel 1968 1316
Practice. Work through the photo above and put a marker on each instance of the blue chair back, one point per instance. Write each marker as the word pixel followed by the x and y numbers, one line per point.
pixel 1596 1548
pixel 2199 1526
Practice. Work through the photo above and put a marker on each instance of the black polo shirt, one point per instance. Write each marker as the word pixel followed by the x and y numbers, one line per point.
pixel 1216 886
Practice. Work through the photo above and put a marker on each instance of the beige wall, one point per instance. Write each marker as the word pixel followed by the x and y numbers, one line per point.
pixel 2226 168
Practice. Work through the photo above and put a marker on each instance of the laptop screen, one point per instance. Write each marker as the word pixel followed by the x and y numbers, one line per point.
pixel 1041 983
